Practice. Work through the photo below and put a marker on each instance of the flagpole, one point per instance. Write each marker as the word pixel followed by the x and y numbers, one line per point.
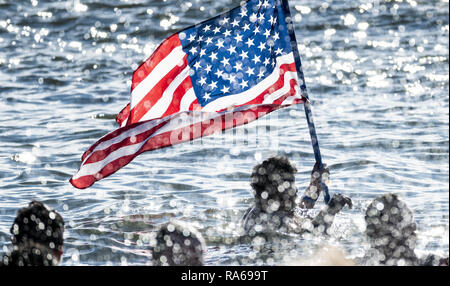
pixel 307 105
pixel 315 145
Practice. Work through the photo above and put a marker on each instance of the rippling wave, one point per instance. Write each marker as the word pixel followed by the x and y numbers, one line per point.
pixel 377 73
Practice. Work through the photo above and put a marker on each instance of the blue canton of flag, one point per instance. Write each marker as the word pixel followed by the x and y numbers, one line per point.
pixel 233 52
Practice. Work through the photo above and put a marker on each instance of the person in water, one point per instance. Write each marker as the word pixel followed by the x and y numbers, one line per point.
pixel 29 255
pixel 178 244
pixel 391 231
pixel 277 205
pixel 37 237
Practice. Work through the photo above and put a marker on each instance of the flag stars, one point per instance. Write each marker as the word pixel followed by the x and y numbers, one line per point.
pixel 231 78
pixel 256 59
pixel 261 74
pixel 266 4
pixel 244 84
pixel 261 18
pixel 219 73
pixel 262 46
pixel 225 89
pixel 249 42
pixel 235 53
pixel 272 20
pixel 202 81
pixel 207 96
pixel 197 65
pixel 243 12
pixel 213 85
pixel 238 38
pixel 191 38
pixel 225 21
pixel 231 49
pixel 193 50
pixel 244 55
pixel 225 62
pixel 220 44
pixel 276 36
pixel 213 56
pixel 238 66
pixel 250 71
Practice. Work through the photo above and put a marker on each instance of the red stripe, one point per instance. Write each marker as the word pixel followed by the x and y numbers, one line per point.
pixel 222 122
pixel 164 49
pixel 291 92
pixel 155 94
pixel 178 94
pixel 123 115
pixel 109 136
pixel 195 105
pixel 102 154
pixel 276 86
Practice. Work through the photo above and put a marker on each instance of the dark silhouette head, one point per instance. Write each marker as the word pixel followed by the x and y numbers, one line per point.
pixel 273 182
pixel 30 255
pixel 38 224
pixel 178 245
pixel 390 228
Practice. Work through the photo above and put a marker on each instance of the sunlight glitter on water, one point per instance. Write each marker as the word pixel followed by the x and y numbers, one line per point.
pixel 377 73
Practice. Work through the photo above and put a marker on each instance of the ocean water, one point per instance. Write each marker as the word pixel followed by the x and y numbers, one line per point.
pixel 377 74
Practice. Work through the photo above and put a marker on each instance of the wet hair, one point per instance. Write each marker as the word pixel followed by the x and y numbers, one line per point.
pixel 390 228
pixel 388 215
pixel 273 182
pixel 178 245
pixel 38 224
pixel 27 255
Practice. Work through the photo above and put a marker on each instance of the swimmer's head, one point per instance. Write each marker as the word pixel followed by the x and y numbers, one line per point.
pixel 178 244
pixel 30 255
pixel 390 223
pixel 39 224
pixel 273 183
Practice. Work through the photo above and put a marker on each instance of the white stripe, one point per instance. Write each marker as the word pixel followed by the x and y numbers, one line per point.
pixel 94 168
pixel 159 72
pixel 131 132
pixel 250 94
pixel 124 122
pixel 187 100
pixel 163 103
pixel 193 117
pixel 290 99
pixel 270 98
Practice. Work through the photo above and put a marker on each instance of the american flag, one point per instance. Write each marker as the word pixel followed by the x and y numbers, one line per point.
pixel 221 73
